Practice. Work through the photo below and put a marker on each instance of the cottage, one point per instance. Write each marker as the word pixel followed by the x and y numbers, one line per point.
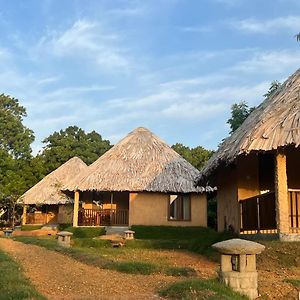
pixel 44 203
pixel 256 169
pixel 140 181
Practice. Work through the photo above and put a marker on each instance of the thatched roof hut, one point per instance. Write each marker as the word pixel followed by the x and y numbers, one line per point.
pixel 272 125
pixel 140 162
pixel 48 190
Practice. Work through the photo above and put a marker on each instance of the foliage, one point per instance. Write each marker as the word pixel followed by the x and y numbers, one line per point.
pixel 84 232
pixel 239 113
pixel 13 284
pixel 15 138
pixel 209 289
pixel 275 85
pixel 197 156
pixel 297 36
pixel 73 141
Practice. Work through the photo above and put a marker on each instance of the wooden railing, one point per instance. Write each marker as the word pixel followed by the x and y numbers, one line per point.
pixel 40 218
pixel 97 217
pixel 294 210
pixel 258 214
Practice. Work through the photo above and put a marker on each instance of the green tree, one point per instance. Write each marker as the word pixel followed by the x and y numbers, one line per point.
pixel 239 113
pixel 197 156
pixel 15 138
pixel 73 141
pixel 275 85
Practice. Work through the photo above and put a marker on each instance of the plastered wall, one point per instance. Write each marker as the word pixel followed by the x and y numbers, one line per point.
pixel 152 209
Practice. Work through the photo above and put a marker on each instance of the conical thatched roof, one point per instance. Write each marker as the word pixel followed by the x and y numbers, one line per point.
pixel 272 125
pixel 139 162
pixel 48 190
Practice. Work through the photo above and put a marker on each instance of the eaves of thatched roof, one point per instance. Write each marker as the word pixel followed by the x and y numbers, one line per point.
pixel 48 190
pixel 139 162
pixel 272 125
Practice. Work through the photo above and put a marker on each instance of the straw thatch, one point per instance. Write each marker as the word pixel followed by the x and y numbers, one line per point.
pixel 272 125
pixel 48 190
pixel 139 162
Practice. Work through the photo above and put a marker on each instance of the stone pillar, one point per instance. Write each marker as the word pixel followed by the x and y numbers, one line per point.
pixel 281 195
pixel 238 265
pixel 76 208
pixel 24 216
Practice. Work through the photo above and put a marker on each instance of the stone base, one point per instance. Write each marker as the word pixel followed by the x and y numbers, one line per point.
pixel 289 237
pixel 244 283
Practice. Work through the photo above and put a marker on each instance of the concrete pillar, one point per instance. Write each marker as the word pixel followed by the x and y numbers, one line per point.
pixel 281 195
pixel 24 216
pixel 76 208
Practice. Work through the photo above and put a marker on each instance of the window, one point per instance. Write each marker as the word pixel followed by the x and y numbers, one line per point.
pixel 180 208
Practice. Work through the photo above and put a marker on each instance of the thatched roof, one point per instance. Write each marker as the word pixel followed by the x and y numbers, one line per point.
pixel 139 162
pixel 272 125
pixel 48 190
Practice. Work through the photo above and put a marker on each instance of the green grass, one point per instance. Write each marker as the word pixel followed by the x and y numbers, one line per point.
pixel 279 254
pixel 30 227
pixel 13 284
pixel 294 282
pixel 195 239
pixel 83 232
pixel 97 258
pixel 197 289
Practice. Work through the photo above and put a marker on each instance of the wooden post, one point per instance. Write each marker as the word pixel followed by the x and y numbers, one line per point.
pixel 281 195
pixel 24 216
pixel 111 205
pixel 76 208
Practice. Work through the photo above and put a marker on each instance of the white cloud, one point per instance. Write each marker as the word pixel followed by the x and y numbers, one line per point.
pixel 89 41
pixel 270 62
pixel 290 23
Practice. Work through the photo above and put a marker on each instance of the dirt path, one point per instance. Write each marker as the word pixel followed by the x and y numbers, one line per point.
pixel 60 277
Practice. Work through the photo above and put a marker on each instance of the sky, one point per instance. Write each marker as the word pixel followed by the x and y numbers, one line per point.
pixel 173 66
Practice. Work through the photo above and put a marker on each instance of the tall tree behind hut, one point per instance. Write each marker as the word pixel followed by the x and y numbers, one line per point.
pixel 15 154
pixel 70 142
pixel 197 156
pixel 240 111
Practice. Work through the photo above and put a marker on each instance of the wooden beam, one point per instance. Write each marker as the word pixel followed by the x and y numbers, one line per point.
pixel 281 194
pixel 76 208
pixel 24 216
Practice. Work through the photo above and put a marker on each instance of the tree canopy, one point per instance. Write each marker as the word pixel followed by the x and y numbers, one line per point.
pixel 70 142
pixel 15 137
pixel 239 113
pixel 197 156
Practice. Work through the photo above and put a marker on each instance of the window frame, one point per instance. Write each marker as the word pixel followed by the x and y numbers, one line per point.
pixel 188 196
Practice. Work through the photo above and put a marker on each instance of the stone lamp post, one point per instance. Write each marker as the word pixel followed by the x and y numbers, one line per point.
pixel 238 265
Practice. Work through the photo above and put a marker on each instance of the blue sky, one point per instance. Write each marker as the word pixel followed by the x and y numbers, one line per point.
pixel 173 66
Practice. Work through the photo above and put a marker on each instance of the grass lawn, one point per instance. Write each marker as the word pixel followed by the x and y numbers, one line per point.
pixel 209 289
pixel 13 284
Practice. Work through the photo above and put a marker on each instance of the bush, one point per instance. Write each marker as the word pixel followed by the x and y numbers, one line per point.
pixel 84 232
